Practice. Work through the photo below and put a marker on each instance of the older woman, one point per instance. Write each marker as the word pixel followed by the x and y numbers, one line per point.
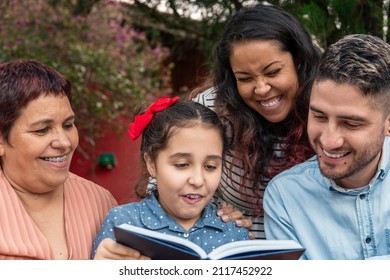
pixel 46 212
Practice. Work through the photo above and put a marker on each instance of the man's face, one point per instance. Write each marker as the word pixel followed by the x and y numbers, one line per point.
pixel 346 132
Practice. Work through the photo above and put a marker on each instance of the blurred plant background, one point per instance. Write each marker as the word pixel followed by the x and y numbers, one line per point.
pixel 121 53
pixel 111 65
pixel 327 20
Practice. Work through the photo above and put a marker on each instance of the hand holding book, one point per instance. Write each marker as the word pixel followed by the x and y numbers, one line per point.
pixel 161 246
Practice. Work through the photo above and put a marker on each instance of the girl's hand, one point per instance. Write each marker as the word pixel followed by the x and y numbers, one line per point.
pixel 108 249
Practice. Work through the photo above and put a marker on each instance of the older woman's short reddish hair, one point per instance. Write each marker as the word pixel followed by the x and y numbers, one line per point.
pixel 22 81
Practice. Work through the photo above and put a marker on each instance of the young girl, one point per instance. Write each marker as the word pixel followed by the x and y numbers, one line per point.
pixel 182 148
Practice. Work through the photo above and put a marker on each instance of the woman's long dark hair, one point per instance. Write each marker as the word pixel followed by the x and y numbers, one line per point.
pixel 254 137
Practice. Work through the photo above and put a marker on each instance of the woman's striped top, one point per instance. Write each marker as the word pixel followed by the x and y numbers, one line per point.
pixel 229 189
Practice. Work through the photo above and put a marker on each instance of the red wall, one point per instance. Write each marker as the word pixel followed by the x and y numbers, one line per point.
pixel 119 180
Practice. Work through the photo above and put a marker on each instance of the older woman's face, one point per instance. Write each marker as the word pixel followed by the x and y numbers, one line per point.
pixel 41 145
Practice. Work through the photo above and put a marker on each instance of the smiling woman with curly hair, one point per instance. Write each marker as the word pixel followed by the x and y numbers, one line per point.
pixel 264 65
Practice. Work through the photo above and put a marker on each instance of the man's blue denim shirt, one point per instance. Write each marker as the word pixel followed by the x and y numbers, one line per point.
pixel 329 221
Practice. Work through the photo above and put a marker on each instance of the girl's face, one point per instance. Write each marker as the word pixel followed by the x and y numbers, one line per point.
pixel 188 172
pixel 41 145
pixel 266 77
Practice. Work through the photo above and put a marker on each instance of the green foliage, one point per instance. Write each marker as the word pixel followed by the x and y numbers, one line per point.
pixel 193 23
pixel 112 67
pixel 327 20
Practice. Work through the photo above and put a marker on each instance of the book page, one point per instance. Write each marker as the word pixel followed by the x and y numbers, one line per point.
pixel 253 248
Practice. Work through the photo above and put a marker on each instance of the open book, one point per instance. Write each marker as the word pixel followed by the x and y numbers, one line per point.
pixel 161 246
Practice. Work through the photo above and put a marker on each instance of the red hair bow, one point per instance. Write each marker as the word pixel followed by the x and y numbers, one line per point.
pixel 142 121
